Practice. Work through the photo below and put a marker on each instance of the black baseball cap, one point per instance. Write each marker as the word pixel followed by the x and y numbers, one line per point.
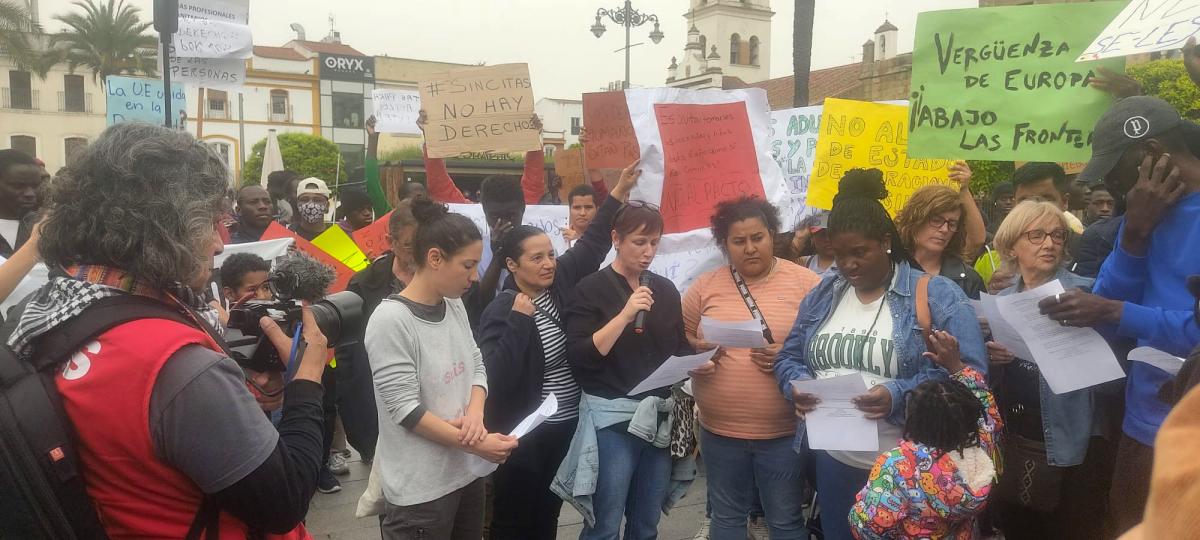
pixel 1127 122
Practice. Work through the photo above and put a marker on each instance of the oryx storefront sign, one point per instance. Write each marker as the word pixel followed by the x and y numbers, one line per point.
pixel 338 67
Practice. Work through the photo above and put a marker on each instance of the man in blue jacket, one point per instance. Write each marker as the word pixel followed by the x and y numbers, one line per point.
pixel 1140 149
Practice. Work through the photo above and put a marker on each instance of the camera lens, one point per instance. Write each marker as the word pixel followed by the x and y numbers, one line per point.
pixel 336 312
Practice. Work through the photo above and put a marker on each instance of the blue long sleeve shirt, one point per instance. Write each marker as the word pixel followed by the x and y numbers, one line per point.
pixel 1158 311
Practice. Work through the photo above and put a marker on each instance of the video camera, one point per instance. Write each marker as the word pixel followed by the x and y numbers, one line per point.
pixel 295 278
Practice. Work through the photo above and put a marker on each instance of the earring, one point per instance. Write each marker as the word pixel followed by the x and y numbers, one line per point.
pixel 889 251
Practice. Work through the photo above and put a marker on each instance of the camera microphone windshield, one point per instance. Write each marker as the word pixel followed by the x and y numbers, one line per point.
pixel 300 277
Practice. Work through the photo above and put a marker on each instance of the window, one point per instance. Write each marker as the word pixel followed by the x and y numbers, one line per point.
pixel 549 150
pixel 575 125
pixel 222 149
pixel 754 50
pixel 218 104
pixel 279 105
pixel 347 110
pixel 72 147
pixel 20 91
pixel 703 44
pixel 73 94
pixel 735 45
pixel 24 143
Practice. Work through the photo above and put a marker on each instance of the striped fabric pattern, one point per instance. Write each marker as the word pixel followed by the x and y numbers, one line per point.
pixel 558 379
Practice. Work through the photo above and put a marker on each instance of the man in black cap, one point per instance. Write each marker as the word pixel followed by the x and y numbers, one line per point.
pixel 1140 149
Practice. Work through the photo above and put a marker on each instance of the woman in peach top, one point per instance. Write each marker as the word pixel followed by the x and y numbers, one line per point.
pixel 747 427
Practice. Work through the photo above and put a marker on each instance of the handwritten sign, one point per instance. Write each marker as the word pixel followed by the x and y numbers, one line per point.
pixel 794 146
pixel 1146 26
pixel 480 109
pixel 342 272
pixel 208 38
pixel 134 99
pixel 218 73
pixel 373 239
pixel 863 135
pixel 568 165
pixel 396 111
pixel 1002 83
pixel 683 257
pixel 709 155
pixel 612 143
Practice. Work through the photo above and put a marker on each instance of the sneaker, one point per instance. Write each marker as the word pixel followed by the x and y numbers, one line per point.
pixel 345 452
pixel 703 533
pixel 337 464
pixel 756 529
pixel 326 483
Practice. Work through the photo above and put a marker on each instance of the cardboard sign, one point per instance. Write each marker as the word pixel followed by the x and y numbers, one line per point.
pixel 134 99
pixel 373 239
pixel 794 146
pixel 1146 26
pixel 1002 83
pixel 396 111
pixel 343 272
pixel 568 165
pixel 480 109
pixel 864 135
pixel 612 143
pixel 710 157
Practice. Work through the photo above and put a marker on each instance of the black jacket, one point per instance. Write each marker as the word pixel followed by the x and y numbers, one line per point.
pixel 964 276
pixel 1095 245
pixel 509 340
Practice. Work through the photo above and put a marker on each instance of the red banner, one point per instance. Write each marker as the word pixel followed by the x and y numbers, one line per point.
pixel 343 272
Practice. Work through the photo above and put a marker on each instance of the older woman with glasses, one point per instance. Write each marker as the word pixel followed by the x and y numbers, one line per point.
pixel 1054 451
pixel 943 228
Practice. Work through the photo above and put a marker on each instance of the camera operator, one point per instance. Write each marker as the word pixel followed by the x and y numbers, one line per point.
pixel 170 439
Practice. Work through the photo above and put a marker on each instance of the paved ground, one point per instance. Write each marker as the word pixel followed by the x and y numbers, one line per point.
pixel 332 516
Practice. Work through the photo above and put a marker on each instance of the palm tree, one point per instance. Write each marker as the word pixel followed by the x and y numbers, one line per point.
pixel 18 37
pixel 107 38
pixel 802 37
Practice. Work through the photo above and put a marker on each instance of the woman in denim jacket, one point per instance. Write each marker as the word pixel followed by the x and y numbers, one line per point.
pixel 863 320
pixel 1065 433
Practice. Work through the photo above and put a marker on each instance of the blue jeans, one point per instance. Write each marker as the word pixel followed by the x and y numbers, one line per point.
pixel 837 485
pixel 741 470
pixel 633 483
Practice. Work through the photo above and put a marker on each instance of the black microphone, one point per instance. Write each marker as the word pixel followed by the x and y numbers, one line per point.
pixel 639 322
pixel 301 277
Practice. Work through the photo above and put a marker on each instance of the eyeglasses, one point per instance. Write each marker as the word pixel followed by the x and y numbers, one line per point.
pixel 1036 237
pixel 635 204
pixel 938 221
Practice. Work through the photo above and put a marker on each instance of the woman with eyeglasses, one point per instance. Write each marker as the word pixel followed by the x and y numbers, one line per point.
pixel 943 228
pixel 1055 454
pixel 619 465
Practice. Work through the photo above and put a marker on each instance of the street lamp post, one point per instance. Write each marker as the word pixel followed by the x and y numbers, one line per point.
pixel 629 18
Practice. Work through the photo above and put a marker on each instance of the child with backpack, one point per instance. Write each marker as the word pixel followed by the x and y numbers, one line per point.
pixel 936 483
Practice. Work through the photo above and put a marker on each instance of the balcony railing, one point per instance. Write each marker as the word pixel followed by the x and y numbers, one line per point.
pixel 78 106
pixel 276 116
pixel 28 102
pixel 217 114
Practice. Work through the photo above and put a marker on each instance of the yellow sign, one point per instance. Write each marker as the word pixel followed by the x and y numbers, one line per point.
pixel 864 135
pixel 340 246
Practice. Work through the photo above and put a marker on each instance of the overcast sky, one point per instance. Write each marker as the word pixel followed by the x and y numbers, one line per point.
pixel 552 36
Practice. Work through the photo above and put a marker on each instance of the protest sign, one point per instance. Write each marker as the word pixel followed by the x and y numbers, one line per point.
pixel 550 218
pixel 396 111
pixel 134 99
pixel 219 73
pixel 568 165
pixel 267 249
pixel 373 239
pixel 1146 26
pixel 683 257
pixel 794 145
pixel 1002 83
pixel 612 143
pixel 337 243
pixel 700 147
pixel 479 109
pixel 864 135
pixel 207 38
pixel 342 272
pixel 1069 167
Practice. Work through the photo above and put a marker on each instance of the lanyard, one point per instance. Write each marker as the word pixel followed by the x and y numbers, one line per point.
pixel 751 304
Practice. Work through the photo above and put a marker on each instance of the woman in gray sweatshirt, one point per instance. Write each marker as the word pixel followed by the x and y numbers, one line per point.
pixel 430 386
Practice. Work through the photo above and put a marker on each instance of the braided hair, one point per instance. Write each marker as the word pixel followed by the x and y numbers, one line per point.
pixel 857 207
pixel 943 415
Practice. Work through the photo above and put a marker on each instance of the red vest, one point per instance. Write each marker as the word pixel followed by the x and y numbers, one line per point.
pixel 106 391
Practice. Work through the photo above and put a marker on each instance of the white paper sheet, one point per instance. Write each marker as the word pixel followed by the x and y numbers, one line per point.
pixel 1070 358
pixel 675 369
pixel 1146 26
pixel 836 424
pixel 1002 332
pixel 481 467
pixel 396 111
pixel 213 38
pixel 1154 357
pixel 735 334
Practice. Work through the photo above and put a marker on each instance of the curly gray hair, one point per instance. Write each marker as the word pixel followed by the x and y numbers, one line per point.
pixel 141 198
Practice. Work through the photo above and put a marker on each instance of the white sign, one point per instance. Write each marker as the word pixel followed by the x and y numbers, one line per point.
pixel 203 38
pixel 793 142
pixel 267 249
pixel 396 111
pixel 683 257
pixel 1146 26
pixel 218 73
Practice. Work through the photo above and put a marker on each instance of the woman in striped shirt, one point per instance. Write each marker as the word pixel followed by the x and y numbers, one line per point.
pixel 522 335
